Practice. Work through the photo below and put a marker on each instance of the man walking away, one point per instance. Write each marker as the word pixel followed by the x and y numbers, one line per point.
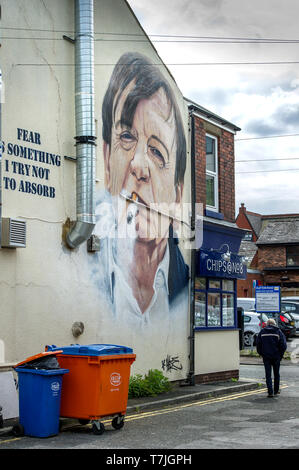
pixel 271 345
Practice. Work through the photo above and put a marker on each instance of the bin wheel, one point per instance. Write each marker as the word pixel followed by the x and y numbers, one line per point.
pixel 98 428
pixel 18 430
pixel 118 422
pixel 83 421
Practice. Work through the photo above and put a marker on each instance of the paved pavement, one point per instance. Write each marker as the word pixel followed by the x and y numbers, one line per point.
pixel 182 394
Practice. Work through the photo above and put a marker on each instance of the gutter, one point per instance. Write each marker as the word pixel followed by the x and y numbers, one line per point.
pixel 210 116
pixel 85 124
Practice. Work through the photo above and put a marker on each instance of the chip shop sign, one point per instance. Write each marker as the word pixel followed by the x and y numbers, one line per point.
pixel 212 264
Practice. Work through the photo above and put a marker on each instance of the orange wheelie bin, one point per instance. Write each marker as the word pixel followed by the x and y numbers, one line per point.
pixel 97 384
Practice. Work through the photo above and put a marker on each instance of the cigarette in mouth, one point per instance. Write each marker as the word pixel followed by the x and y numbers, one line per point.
pixel 133 208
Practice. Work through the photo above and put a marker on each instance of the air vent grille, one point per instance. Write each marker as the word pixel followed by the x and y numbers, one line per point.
pixel 13 233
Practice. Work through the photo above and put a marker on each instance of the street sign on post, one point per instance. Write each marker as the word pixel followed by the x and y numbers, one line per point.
pixel 267 299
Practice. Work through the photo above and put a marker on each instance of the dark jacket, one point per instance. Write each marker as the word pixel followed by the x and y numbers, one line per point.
pixel 271 343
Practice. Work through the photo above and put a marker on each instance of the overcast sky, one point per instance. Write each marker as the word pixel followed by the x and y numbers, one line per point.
pixel 263 100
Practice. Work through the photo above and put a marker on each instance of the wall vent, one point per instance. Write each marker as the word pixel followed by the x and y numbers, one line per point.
pixel 13 233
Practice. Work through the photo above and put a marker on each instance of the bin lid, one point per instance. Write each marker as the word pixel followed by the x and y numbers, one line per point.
pixel 90 349
pixel 38 356
pixel 22 370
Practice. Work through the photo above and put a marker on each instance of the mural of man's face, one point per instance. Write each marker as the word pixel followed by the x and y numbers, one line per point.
pixel 141 160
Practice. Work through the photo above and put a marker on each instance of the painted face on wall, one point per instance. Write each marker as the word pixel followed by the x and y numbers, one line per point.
pixel 142 159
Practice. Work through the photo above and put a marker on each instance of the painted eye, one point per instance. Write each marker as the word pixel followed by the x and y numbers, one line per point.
pixel 157 154
pixel 127 137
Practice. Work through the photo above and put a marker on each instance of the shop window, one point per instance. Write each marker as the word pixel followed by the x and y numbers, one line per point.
pixel 292 255
pixel 200 283
pixel 200 309
pixel 214 312
pixel 228 309
pixel 214 284
pixel 215 303
pixel 211 173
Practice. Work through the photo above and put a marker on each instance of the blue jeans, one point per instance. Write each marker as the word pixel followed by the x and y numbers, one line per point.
pixel 269 363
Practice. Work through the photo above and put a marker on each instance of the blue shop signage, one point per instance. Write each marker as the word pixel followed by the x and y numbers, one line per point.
pixel 213 264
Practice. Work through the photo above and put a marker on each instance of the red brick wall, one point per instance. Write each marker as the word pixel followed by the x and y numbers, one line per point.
pixel 226 173
pixel 243 222
pixel 245 286
pixel 271 257
pixel 226 168
pixel 217 377
pixel 274 277
pixel 200 161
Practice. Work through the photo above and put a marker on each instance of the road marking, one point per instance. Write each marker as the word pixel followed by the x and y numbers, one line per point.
pixel 172 409
pixel 198 403
pixel 11 440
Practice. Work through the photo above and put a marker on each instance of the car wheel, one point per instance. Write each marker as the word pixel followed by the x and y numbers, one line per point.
pixel 248 338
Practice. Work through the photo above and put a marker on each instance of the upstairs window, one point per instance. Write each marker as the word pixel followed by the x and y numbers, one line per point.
pixel 292 255
pixel 211 173
pixel 248 236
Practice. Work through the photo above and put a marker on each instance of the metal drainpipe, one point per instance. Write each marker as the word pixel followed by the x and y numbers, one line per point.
pixel 85 124
pixel 193 251
pixel 190 380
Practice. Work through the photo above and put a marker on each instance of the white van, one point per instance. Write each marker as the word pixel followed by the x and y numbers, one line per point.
pixel 247 303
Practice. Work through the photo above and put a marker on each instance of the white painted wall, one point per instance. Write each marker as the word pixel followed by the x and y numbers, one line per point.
pixel 216 351
pixel 45 287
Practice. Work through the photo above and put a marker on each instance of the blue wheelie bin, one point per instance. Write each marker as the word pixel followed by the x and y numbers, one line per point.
pixel 39 396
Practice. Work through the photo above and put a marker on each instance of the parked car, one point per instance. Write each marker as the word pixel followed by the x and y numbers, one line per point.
pixel 252 326
pixel 285 322
pixel 292 307
pixel 247 303
pixel 291 297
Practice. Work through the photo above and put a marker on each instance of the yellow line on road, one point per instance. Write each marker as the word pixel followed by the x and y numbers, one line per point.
pixel 198 403
pixel 173 409
pixel 10 440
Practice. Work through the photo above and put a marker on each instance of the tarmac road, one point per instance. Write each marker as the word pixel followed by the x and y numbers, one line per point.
pixel 240 420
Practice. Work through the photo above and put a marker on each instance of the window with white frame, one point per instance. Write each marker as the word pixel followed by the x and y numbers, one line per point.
pixel 211 173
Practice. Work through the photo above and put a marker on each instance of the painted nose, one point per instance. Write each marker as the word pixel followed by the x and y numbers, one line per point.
pixel 139 164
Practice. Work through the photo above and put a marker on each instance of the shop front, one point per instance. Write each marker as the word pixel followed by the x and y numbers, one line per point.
pixel 217 268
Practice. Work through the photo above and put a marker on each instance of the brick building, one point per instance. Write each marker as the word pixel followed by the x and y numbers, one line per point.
pixel 216 129
pixel 217 265
pixel 272 248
